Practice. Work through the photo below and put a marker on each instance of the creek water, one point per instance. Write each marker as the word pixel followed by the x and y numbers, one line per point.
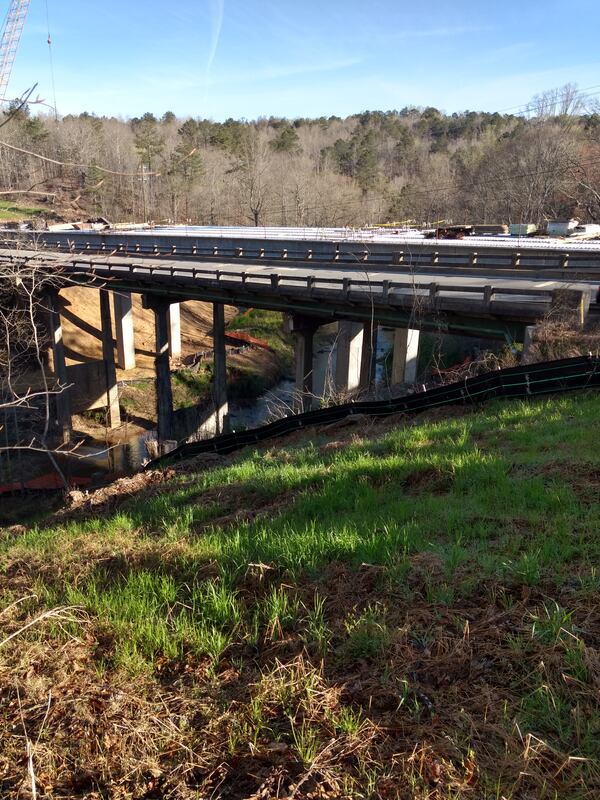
pixel 131 453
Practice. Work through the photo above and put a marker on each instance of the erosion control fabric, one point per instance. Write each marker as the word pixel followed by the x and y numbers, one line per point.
pixel 547 377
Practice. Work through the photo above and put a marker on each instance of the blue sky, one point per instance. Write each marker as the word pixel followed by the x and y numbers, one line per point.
pixel 250 58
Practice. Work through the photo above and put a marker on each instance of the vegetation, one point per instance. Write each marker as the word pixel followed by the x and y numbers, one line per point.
pixel 414 164
pixel 382 610
pixel 13 211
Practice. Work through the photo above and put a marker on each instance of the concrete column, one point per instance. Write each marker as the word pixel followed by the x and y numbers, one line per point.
pixel 123 310
pixel 348 356
pixel 63 400
pixel 303 330
pixel 164 392
pixel 108 354
pixel 405 356
pixel 174 330
pixel 368 355
pixel 220 370
pixel 527 343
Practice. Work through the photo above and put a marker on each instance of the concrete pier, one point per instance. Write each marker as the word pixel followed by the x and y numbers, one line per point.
pixel 174 328
pixel 63 400
pixel 108 354
pixel 164 392
pixel 528 338
pixel 368 355
pixel 303 330
pixel 349 356
pixel 405 356
pixel 221 417
pixel 123 311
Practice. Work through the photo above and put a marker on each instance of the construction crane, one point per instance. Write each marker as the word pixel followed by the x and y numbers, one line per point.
pixel 9 42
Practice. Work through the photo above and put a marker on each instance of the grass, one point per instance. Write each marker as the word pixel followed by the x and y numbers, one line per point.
pixel 15 211
pixel 411 612
pixel 268 326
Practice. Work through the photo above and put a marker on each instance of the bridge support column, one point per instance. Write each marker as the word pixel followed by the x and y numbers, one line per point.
pixel 348 356
pixel 175 330
pixel 528 337
pixel 108 354
pixel 123 310
pixel 164 392
pixel 303 329
pixel 405 356
pixel 368 355
pixel 221 419
pixel 63 400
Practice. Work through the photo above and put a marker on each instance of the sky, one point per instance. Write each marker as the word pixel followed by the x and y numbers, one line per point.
pixel 304 58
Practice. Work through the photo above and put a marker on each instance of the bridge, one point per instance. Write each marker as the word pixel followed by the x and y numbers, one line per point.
pixel 492 287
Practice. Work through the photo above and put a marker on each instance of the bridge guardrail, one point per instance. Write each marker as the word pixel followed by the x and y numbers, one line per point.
pixel 517 382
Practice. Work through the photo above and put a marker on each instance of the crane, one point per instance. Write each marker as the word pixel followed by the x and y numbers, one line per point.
pixel 9 42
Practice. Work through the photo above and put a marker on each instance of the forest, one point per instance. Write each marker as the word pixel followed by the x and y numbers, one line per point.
pixel 416 165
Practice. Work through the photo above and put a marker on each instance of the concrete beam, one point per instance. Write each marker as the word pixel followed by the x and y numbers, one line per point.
pixel 348 356
pixel 174 315
pixel 63 400
pixel 123 311
pixel 221 405
pixel 405 356
pixel 108 354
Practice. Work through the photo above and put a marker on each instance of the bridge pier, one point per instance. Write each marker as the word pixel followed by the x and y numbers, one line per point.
pixel 108 354
pixel 164 392
pixel 303 330
pixel 405 356
pixel 368 355
pixel 63 400
pixel 123 311
pixel 221 406
pixel 348 356
pixel 174 315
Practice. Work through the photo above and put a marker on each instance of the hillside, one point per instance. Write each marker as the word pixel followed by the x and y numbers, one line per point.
pixel 401 609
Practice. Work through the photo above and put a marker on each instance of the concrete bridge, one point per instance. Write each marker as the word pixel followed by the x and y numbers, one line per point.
pixel 495 287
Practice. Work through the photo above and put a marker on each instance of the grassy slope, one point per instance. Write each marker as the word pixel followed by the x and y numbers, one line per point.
pixel 401 610
pixel 10 210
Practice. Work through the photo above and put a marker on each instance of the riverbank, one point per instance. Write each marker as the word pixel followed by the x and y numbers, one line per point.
pixel 395 609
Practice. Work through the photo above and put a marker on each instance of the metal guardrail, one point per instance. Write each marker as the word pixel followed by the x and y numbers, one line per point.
pixel 517 382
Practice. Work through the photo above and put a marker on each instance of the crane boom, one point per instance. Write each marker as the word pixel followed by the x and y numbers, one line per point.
pixel 11 35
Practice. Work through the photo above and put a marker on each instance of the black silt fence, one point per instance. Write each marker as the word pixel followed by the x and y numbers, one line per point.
pixel 548 377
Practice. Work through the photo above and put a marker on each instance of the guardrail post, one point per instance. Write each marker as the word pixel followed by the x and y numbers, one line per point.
pixel 108 354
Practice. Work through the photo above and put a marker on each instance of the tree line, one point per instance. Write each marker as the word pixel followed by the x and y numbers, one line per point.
pixel 416 164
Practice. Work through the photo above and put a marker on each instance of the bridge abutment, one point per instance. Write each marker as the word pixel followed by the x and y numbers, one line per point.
pixel 405 355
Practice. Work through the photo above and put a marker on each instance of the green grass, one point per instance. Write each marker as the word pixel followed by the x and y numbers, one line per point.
pixel 432 582
pixel 15 211
pixel 266 325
